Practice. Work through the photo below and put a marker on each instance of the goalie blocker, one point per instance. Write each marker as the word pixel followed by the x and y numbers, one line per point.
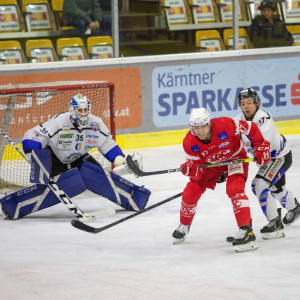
pixel 73 182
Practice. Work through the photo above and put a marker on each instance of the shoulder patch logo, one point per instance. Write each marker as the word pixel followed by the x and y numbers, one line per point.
pixel 223 136
pixel 195 148
pixel 95 126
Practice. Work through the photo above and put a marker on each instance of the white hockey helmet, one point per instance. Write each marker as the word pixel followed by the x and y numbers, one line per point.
pixel 80 102
pixel 199 116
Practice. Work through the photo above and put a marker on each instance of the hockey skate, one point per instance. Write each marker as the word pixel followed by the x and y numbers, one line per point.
pixel 244 239
pixel 180 233
pixel 292 215
pixel 274 229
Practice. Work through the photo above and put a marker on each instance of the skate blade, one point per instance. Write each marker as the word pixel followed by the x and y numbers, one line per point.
pixel 246 247
pixel 273 235
pixel 178 241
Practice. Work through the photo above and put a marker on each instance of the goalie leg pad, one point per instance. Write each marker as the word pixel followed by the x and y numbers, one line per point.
pixel 21 203
pixel 40 166
pixel 38 197
pixel 115 188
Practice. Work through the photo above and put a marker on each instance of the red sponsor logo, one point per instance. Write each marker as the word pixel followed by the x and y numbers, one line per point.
pixel 295 92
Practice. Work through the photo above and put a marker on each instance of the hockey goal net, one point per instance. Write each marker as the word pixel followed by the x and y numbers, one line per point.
pixel 25 106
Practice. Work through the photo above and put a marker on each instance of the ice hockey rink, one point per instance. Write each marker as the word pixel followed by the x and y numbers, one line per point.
pixel 42 257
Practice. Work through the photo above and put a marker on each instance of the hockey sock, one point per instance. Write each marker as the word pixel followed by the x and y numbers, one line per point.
pixel 241 209
pixel 187 213
pixel 286 198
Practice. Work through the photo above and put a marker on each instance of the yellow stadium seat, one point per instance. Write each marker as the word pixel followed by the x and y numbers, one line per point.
pixel 11 19
pixel 204 11
pixel 40 51
pixel 295 31
pixel 209 40
pixel 57 8
pixel 100 46
pixel 244 41
pixel 11 52
pixel 291 11
pixel 176 12
pixel 38 15
pixel 226 10
pixel 71 49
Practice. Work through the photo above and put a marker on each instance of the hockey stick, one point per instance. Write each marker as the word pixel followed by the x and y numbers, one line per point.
pixel 63 197
pixel 141 173
pixel 82 226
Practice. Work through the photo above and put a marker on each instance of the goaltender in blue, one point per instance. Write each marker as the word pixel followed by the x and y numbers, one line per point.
pixel 59 149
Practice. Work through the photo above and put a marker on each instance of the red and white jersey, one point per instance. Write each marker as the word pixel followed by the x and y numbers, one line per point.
pixel 225 144
pixel 267 126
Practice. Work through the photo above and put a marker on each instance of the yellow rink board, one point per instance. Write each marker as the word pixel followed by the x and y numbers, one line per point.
pixel 161 138
pixel 175 137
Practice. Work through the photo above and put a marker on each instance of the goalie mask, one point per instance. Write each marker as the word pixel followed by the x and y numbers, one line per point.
pixel 248 93
pixel 79 109
pixel 199 116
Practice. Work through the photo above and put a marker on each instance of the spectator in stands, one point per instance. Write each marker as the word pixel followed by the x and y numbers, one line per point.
pixel 267 29
pixel 84 15
pixel 106 25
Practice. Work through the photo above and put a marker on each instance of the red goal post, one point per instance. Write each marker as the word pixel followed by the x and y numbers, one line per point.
pixel 24 106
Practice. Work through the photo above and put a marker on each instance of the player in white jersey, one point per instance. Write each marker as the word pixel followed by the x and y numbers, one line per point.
pixel 269 183
pixel 60 147
pixel 70 135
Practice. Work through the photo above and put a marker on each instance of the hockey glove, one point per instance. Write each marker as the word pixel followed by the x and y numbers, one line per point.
pixel 190 169
pixel 262 152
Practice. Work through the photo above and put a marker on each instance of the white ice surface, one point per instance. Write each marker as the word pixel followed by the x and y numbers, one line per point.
pixel 43 257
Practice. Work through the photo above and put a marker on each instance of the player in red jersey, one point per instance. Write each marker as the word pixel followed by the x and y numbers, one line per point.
pixel 215 141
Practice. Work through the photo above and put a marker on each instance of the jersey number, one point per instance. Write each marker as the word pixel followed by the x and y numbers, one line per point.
pixel 79 138
pixel 262 120
pixel 44 131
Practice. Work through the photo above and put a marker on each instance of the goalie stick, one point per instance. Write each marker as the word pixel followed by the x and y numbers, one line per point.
pixel 141 173
pixel 63 197
pixel 82 226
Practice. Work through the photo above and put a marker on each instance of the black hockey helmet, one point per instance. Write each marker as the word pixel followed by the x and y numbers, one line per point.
pixel 267 4
pixel 247 93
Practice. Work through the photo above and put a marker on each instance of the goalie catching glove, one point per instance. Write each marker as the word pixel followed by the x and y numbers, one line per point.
pixel 121 165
